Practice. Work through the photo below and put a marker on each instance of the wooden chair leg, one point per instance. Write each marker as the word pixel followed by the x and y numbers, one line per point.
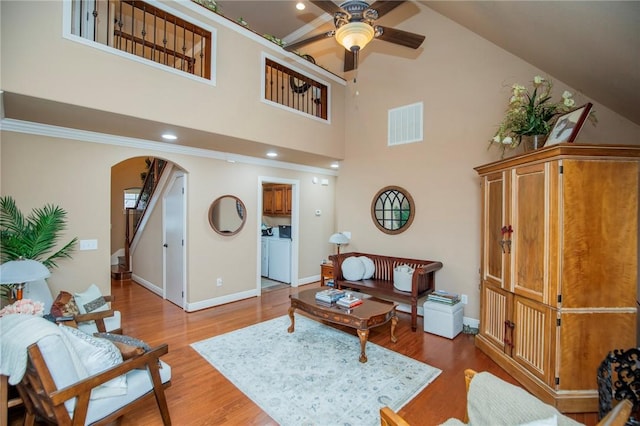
pixel 161 399
pixel 29 419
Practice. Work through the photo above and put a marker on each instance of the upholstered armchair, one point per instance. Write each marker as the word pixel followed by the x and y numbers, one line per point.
pixel 69 377
pixel 88 311
pixel 492 401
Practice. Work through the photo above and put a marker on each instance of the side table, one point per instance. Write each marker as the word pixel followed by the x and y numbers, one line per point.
pixel 326 272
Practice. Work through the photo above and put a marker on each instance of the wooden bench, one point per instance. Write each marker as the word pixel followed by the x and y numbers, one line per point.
pixel 381 283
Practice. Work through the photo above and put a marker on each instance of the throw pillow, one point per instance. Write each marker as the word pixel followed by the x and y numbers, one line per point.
pixel 97 355
pixel 352 268
pixel 369 267
pixel 64 305
pixel 91 300
pixel 129 346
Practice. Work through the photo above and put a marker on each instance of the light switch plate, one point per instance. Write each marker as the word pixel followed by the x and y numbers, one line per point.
pixel 88 244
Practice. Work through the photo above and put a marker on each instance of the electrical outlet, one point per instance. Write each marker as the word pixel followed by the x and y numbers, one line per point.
pixel 219 282
pixel 464 299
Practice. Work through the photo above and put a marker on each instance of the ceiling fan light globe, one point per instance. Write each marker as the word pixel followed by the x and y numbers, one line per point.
pixel 355 35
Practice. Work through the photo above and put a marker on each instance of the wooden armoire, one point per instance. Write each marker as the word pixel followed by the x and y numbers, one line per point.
pixel 559 266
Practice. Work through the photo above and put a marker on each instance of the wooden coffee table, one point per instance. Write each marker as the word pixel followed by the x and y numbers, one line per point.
pixel 371 313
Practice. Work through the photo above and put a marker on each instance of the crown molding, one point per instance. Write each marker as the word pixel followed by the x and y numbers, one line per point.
pixel 28 127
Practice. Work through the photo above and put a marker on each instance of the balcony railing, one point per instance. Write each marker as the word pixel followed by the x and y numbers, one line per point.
pixel 143 30
pixel 294 90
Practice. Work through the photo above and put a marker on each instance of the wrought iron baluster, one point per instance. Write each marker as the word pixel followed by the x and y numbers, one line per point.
pixel 95 20
pixel 164 41
pixel 155 26
pixel 175 40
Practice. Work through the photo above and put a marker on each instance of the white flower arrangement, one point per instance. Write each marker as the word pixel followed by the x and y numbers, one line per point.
pixel 24 306
pixel 530 113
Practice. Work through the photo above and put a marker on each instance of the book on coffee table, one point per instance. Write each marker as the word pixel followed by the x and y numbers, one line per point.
pixel 329 295
pixel 349 302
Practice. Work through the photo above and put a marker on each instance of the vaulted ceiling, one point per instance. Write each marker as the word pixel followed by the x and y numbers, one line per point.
pixel 593 46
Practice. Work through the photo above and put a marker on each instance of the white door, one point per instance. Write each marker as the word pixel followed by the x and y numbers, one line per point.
pixel 174 242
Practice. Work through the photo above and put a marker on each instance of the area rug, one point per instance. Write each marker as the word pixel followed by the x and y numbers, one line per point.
pixel 312 376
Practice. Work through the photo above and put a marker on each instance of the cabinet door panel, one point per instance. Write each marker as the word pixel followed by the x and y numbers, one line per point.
pixel 600 216
pixel 529 221
pixel 496 304
pixel 495 253
pixel 585 340
pixel 288 200
pixel 534 337
pixel 278 199
pixel 267 200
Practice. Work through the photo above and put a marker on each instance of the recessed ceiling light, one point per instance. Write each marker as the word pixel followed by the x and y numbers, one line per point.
pixel 169 137
pixel 335 165
pixel 300 5
pixel 272 154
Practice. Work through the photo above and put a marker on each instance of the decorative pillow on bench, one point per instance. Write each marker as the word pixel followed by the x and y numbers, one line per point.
pixel 369 267
pixel 356 268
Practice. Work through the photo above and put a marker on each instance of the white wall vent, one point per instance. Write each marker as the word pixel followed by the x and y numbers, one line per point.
pixel 405 124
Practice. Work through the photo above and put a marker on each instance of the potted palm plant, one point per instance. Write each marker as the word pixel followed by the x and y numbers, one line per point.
pixel 35 236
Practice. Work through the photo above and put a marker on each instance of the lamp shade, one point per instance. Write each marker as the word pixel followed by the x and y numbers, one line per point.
pixel 22 271
pixel 338 238
pixel 355 35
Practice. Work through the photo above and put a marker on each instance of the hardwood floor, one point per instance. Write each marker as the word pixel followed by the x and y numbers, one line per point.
pixel 199 395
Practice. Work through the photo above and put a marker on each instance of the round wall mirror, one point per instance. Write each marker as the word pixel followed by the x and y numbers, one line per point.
pixel 227 215
pixel 392 210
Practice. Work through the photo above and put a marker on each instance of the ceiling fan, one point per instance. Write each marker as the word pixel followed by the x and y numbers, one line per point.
pixel 355 27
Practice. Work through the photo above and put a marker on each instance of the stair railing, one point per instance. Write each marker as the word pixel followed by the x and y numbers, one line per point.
pixel 135 214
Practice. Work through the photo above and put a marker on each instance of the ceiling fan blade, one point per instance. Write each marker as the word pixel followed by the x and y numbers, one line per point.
pixel 349 60
pixel 328 6
pixel 294 46
pixel 385 6
pixel 403 38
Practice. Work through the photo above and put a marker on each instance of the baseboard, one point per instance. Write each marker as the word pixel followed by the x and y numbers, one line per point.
pixel 148 285
pixel 115 256
pixel 471 322
pixel 308 280
pixel 209 303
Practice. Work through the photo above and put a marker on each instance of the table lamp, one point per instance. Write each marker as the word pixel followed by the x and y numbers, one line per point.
pixel 338 239
pixel 21 271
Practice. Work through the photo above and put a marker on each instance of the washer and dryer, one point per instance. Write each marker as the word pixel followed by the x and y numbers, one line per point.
pixel 276 256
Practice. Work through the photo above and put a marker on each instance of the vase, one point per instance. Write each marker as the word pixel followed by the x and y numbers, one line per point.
pixel 532 142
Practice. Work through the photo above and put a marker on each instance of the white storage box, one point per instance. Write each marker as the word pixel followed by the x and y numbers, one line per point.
pixel 443 320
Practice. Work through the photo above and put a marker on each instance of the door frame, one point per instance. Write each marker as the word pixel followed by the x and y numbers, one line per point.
pixel 174 177
pixel 295 225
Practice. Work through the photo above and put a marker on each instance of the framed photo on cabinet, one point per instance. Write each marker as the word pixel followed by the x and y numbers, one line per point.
pixel 568 125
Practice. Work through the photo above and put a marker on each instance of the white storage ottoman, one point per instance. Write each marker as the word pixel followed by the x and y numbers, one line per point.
pixel 443 320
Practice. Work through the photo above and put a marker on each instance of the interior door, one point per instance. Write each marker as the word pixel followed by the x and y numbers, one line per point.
pixel 174 232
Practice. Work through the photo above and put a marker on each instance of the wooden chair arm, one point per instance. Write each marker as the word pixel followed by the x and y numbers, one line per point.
pixel 93 316
pixel 388 417
pixel 148 360
pixel 619 415
pixel 468 375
